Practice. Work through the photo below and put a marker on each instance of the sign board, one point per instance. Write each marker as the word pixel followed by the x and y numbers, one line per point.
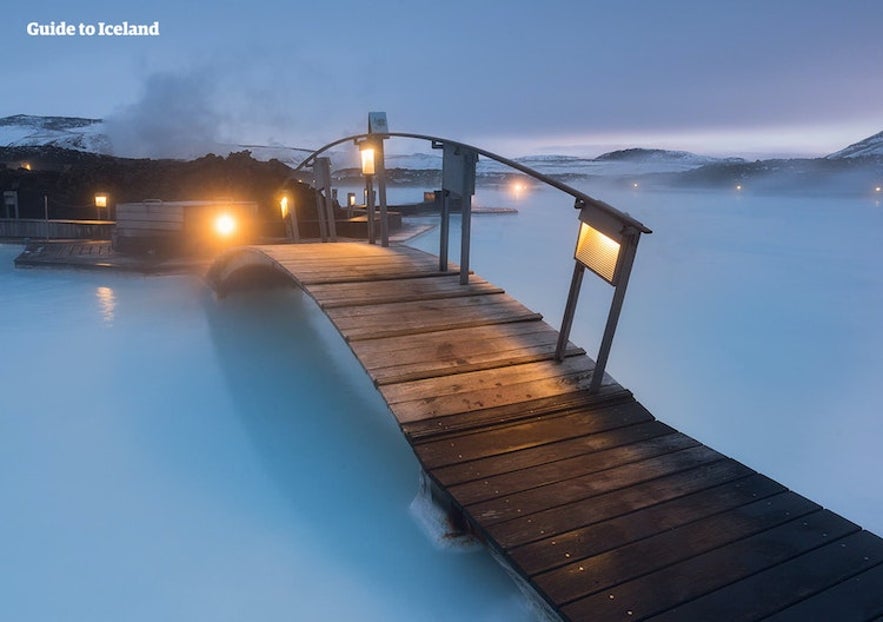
pixel 458 170
pixel 377 123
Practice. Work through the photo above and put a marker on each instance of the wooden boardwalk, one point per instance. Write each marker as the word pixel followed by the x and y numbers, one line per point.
pixel 605 512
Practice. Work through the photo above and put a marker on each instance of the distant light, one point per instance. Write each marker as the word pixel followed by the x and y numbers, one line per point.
pixel 225 225
pixel 635 185
pixel 878 189
pixel 367 161
pixel 283 206
pixel 350 199
pixel 739 187
pixel 101 200
pixel 26 166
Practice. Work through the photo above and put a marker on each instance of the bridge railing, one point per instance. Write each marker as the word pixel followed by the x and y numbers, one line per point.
pixel 606 244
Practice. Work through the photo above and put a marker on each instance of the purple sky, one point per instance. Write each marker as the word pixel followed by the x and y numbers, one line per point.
pixel 582 77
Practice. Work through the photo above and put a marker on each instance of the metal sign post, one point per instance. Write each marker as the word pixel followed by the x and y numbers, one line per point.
pixel 606 245
pixel 379 128
pixel 324 206
pixel 458 179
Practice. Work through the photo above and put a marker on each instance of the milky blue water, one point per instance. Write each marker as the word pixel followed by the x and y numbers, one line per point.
pixel 165 455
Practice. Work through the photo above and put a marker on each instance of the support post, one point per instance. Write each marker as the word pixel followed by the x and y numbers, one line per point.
pixel 444 230
pixel 569 310
pixel 613 317
pixel 369 208
pixel 380 166
pixel 465 236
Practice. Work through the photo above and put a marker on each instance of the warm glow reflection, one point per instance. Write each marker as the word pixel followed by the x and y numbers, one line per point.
pixel 107 303
pixel 597 252
pixel 225 225
pixel 100 200
pixel 26 166
pixel 283 206
pixel 367 161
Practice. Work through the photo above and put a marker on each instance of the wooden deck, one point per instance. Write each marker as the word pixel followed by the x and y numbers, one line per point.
pixel 605 512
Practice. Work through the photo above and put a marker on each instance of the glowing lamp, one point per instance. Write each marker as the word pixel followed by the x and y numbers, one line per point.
pixel 350 199
pixel 101 200
pixel 739 187
pixel 599 243
pixel 367 161
pixel 225 225
pixel 878 189
pixel 283 206
pixel 606 245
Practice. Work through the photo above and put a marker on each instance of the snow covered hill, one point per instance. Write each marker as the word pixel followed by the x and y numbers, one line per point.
pixel 869 147
pixel 24 130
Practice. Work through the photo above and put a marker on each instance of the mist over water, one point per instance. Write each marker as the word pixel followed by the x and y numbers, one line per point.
pixel 167 455
pixel 182 458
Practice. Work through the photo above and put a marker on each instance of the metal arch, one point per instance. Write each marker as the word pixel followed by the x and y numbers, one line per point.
pixel 581 199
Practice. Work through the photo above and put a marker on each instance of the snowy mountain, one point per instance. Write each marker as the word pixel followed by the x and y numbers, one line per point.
pixel 76 133
pixel 869 147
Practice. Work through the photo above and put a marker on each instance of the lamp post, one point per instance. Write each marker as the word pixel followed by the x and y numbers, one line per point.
pixel 368 170
pixel 100 203
pixel 606 244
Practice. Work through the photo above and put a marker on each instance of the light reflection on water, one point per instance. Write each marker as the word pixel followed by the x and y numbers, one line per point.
pixel 107 303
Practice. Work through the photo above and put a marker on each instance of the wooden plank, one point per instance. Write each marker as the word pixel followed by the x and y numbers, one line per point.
pixel 568 491
pixel 443 427
pixel 562 519
pixel 770 591
pixel 503 390
pixel 858 599
pixel 447 345
pixel 505 484
pixel 669 587
pixel 400 290
pixel 563 548
pixel 496 460
pixel 393 311
pixel 590 575
pixel 458 384
pixel 415 323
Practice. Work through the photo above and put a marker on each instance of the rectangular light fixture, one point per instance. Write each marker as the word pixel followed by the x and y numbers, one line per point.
pixel 100 200
pixel 597 252
pixel 367 161
pixel 599 243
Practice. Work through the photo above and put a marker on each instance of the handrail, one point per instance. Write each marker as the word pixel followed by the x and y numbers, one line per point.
pixel 581 199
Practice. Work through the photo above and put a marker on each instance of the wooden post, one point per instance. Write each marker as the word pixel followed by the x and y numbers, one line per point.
pixel 569 310
pixel 444 229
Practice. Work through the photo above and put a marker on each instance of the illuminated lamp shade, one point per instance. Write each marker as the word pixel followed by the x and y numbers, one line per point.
pixel 599 244
pixel 100 200
pixel 367 161
pixel 283 206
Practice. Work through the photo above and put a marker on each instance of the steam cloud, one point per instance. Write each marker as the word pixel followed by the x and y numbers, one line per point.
pixel 176 117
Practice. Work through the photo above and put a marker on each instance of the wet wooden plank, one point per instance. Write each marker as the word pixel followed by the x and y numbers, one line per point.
pixel 442 427
pixel 579 488
pixel 857 599
pixel 458 455
pixel 674 585
pixel 563 548
pixel 589 575
pixel 580 513
pixel 770 591
pixel 561 470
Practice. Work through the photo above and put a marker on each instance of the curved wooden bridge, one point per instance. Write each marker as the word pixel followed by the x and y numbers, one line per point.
pixel 604 512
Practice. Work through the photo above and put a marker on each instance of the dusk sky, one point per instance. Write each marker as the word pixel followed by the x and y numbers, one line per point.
pixel 753 77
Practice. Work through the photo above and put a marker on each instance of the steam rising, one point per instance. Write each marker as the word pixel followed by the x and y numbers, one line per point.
pixel 177 116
